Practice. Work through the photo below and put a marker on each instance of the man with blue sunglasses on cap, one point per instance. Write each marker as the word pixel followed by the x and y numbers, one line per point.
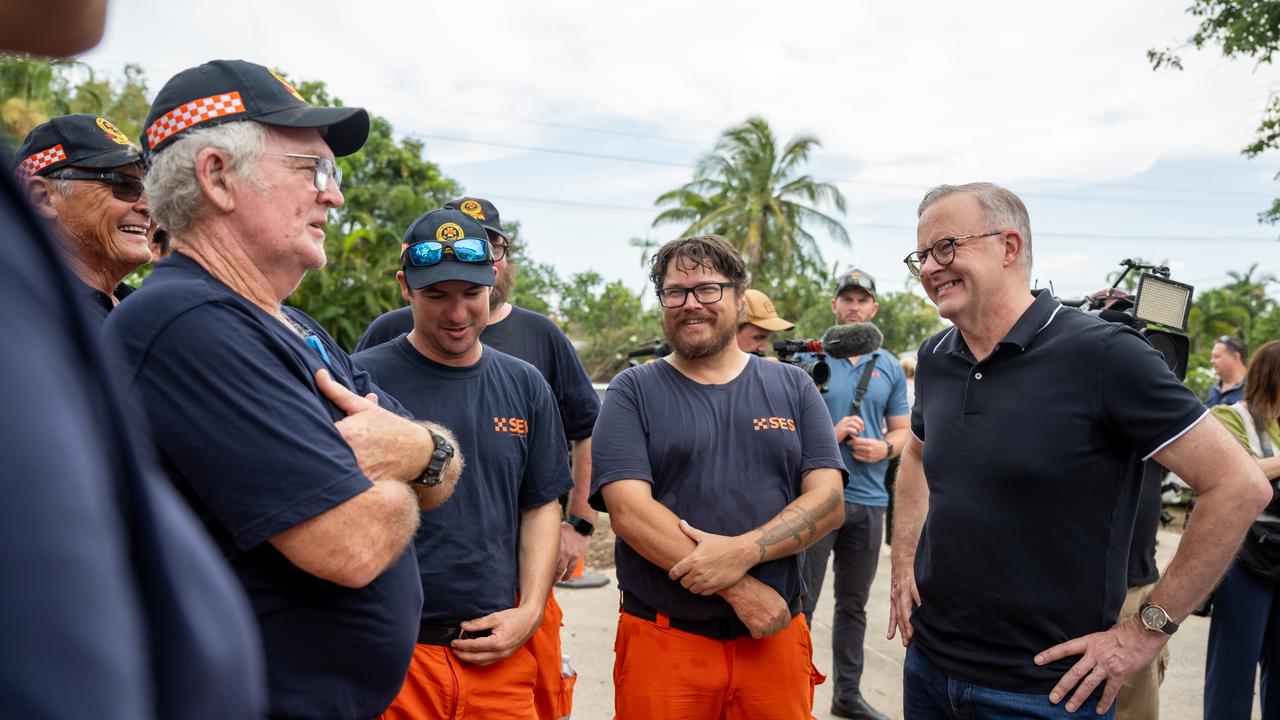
pixel 306 474
pixel 487 556
pixel 84 176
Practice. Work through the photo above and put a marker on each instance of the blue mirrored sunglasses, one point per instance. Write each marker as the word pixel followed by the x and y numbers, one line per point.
pixel 431 252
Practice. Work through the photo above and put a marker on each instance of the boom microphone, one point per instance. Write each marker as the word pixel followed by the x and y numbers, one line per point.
pixel 846 341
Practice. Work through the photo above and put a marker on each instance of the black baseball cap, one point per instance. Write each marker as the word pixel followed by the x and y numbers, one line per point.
pixel 858 279
pixel 86 141
pixel 446 225
pixel 222 91
pixel 483 211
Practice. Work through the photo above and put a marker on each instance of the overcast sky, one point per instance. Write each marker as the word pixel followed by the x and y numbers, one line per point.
pixel 1054 100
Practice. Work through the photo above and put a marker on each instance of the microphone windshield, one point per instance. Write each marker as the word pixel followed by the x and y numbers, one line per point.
pixel 846 341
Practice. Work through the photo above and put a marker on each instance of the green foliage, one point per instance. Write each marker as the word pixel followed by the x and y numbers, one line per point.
pixel 1241 29
pixel 906 319
pixel 605 318
pixel 1242 308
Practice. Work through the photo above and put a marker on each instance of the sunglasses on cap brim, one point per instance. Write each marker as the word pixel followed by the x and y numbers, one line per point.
pixel 432 252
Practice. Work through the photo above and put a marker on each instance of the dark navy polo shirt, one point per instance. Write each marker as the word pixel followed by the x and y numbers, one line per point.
pixel 97 304
pixel 250 442
pixel 504 418
pixel 727 458
pixel 115 603
pixel 1230 397
pixel 1034 460
pixel 531 337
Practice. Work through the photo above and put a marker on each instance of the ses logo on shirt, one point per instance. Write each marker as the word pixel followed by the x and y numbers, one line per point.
pixel 773 423
pixel 511 426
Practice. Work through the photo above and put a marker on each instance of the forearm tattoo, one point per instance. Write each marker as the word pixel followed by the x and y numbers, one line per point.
pixel 797 523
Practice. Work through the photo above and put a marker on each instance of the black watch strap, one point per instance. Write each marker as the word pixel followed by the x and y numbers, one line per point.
pixel 583 526
pixel 439 460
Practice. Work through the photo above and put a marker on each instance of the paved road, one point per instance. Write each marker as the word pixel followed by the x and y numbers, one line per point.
pixel 591 618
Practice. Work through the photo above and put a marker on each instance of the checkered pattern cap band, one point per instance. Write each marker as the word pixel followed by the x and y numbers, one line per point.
pixel 41 160
pixel 193 113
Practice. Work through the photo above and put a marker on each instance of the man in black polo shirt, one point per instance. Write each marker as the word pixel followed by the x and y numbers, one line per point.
pixel 116 606
pixel 1230 359
pixel 1017 492
pixel 487 556
pixel 311 488
pixel 85 176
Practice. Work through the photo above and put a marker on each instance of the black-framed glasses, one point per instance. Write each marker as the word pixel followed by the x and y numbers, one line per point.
pixel 943 251
pixel 431 252
pixel 499 249
pixel 707 293
pixel 325 168
pixel 123 186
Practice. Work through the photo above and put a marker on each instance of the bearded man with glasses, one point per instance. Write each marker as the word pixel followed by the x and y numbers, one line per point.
pixel 309 477
pixel 85 176
pixel 1019 486
pixel 717 468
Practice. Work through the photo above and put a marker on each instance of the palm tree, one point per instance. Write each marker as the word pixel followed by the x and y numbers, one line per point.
pixel 756 194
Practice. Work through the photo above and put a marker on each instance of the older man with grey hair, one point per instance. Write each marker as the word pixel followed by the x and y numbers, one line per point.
pixel 305 473
pixel 1019 486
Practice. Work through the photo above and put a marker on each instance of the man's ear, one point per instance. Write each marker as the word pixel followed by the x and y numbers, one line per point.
pixel 1014 246
pixel 404 285
pixel 40 193
pixel 213 174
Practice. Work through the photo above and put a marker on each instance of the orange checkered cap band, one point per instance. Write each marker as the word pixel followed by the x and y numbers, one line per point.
pixel 191 114
pixel 41 160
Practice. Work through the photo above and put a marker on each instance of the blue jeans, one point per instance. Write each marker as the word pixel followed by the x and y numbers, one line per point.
pixel 928 694
pixel 1243 634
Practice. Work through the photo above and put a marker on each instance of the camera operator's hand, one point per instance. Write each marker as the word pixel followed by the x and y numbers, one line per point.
pixel 848 427
pixel 868 450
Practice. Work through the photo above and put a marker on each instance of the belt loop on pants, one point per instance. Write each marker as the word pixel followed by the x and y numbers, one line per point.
pixel 663 620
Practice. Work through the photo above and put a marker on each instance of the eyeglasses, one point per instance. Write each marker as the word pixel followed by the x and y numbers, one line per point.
pixel 431 252
pixel 707 293
pixel 325 168
pixel 943 251
pixel 123 187
pixel 499 250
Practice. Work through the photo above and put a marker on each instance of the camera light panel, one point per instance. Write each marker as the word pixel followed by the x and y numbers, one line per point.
pixel 1163 301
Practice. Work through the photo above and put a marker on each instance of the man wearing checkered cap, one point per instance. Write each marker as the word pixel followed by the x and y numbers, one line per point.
pixel 83 175
pixel 308 476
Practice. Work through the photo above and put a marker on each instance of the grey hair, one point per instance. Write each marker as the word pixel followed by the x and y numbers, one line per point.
pixel 1001 207
pixel 172 189
pixel 61 186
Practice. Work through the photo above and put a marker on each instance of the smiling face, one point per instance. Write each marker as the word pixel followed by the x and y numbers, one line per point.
pixel 696 330
pixel 978 269
pixel 280 214
pixel 104 231
pixel 448 318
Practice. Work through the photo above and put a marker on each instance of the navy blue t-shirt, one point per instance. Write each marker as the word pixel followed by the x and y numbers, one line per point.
pixel 727 458
pixel 250 442
pixel 532 338
pixel 115 603
pixel 504 418
pixel 1034 462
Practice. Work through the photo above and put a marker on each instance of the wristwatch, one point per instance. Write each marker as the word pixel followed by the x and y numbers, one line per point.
pixel 440 458
pixel 1155 618
pixel 581 525
pixel 888 449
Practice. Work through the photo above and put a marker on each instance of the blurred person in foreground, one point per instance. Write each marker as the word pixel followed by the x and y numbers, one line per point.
pixel 1244 632
pixel 307 475
pixel 116 604
pixel 716 468
pixel 1018 489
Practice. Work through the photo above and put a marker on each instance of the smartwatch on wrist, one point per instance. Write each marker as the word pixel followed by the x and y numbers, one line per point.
pixel 439 460
pixel 581 525
pixel 888 449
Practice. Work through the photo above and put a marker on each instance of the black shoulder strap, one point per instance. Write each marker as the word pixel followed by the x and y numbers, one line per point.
pixel 1264 440
pixel 861 391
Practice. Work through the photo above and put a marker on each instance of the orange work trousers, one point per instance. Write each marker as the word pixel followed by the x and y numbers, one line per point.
pixel 553 693
pixel 439 686
pixel 661 672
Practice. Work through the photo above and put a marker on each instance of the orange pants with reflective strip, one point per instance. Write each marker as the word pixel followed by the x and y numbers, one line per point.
pixel 439 686
pixel 661 672
pixel 553 693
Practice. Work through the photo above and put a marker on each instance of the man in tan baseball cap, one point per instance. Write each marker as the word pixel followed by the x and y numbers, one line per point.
pixel 761 322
